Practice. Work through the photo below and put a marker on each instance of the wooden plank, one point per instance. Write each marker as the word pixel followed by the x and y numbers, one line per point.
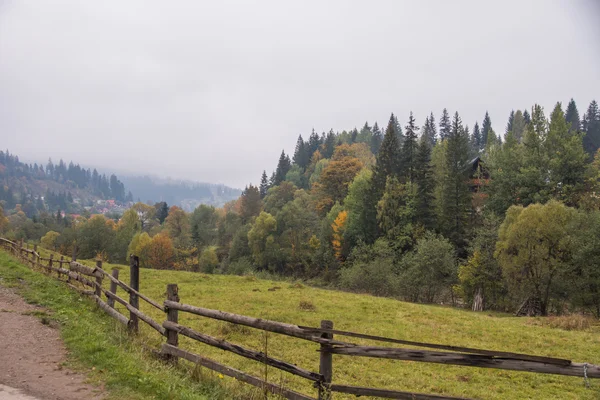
pixel 128 289
pixel 325 363
pixel 113 287
pixel 172 316
pixel 258 323
pixel 134 300
pixel 470 360
pixel 234 373
pixel 111 311
pixel 86 292
pixel 241 351
pixel 85 270
pixel 135 311
pixel 388 394
pixel 503 354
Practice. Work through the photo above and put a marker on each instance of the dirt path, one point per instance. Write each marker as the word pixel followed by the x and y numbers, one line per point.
pixel 31 356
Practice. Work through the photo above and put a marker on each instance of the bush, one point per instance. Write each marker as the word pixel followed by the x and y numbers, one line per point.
pixel 242 266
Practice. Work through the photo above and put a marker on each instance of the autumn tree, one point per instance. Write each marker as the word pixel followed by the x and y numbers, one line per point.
pixel 334 181
pixel 161 252
pixel 261 239
pixel 178 226
pixel 338 227
pixel 250 203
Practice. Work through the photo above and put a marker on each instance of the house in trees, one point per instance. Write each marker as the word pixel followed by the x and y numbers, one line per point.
pixel 479 177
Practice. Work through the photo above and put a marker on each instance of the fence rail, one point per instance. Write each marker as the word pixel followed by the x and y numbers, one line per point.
pixel 90 280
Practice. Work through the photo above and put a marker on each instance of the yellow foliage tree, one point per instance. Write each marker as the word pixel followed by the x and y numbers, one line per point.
pixel 338 231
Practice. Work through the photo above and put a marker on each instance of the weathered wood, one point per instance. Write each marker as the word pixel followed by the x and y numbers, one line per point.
pixel 470 360
pixel 325 363
pixel 173 351
pixel 60 263
pixel 134 283
pixel 147 319
pixel 113 287
pixel 172 316
pixel 389 394
pixel 85 270
pixel 241 351
pixel 50 260
pixel 111 311
pixel 258 323
pixel 503 354
pixel 99 279
pixel 74 256
pixel 82 291
pixel 128 289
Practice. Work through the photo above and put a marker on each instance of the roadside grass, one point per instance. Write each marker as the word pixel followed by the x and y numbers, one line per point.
pixel 302 305
pixel 102 349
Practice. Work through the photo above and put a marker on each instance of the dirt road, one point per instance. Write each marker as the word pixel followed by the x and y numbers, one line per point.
pixel 32 355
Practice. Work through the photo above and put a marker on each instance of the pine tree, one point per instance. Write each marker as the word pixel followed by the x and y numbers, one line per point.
pixel 388 159
pixel 457 197
pixel 398 130
pixel 264 185
pixel 518 125
pixel 476 138
pixel 425 184
pixel 444 125
pixel 409 150
pixel 429 130
pixel 509 124
pixel 485 129
pixel 272 180
pixel 329 145
pixel 376 139
pixel 300 154
pixel 314 141
pixel 591 127
pixel 572 117
pixel 353 135
pixel 283 166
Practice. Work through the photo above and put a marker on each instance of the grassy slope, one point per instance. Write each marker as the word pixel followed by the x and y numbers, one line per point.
pixel 101 348
pixel 379 316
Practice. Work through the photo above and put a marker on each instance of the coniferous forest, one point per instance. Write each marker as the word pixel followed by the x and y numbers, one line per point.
pixel 501 215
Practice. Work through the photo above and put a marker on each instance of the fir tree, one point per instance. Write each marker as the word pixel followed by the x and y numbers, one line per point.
pixel 300 154
pixel 509 124
pixel 409 150
pixel 283 166
pixel 314 141
pixel 429 130
pixel 398 130
pixel 388 159
pixel 329 144
pixel 572 117
pixel 476 138
pixel 518 125
pixel 485 129
pixel 444 125
pixel 376 139
pixel 591 127
pixel 457 197
pixel 425 184
pixel 264 185
pixel 526 117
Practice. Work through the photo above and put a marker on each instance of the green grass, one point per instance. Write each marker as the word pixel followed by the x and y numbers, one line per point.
pixel 102 349
pixel 301 305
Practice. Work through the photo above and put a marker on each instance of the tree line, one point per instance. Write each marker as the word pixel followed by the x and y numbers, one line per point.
pixel 433 213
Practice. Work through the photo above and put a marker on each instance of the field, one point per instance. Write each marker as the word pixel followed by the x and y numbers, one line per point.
pixel 302 305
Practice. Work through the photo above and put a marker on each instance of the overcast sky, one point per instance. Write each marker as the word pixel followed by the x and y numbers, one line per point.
pixel 212 91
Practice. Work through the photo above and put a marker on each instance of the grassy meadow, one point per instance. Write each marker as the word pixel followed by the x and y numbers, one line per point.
pixel 302 305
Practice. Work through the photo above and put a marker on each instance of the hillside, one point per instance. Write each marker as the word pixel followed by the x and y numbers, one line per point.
pixel 302 305
pixel 185 194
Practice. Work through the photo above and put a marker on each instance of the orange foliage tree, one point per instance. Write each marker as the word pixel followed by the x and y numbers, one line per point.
pixel 338 232
pixel 161 253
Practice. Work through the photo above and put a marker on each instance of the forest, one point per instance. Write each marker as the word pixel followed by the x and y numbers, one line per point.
pixel 505 219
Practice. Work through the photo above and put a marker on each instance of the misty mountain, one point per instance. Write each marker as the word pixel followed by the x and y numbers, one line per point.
pixel 186 194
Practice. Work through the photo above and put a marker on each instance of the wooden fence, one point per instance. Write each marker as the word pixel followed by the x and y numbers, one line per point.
pixel 325 336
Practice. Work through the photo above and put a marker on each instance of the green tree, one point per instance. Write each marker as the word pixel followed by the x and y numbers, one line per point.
pixel 162 210
pixel 95 237
pixel 486 128
pixel 261 239
pixel 203 223
pixel 283 166
pixel 509 124
pixel 178 226
pixel 49 240
pixel 476 140
pixel 396 212
pixel 591 127
pixel 264 185
pixel 376 139
pixel 534 247
pixel 361 225
pixel 445 125
pixel 388 159
pixel 409 151
pixel 425 182
pixel 300 154
pixel 572 117
pixel 429 130
pixel 518 125
pixel 279 196
pixel 250 203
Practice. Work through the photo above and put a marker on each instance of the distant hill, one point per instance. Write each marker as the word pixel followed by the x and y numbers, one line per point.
pixel 186 194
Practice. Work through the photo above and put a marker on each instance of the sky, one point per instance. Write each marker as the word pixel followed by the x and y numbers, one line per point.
pixel 213 91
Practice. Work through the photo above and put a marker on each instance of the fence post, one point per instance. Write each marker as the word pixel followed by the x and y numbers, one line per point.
pixel 172 316
pixel 21 249
pixel 326 363
pixel 60 265
pixel 36 256
pixel 113 287
pixel 50 264
pixel 74 257
pixel 134 282
pixel 99 280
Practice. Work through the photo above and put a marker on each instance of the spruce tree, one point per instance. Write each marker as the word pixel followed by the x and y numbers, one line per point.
pixel 457 197
pixel 476 138
pixel 526 117
pixel 409 151
pixel 444 125
pixel 388 159
pixel 376 139
pixel 485 129
pixel 425 184
pixel 283 166
pixel 509 124
pixel 429 130
pixel 328 145
pixel 518 125
pixel 314 141
pixel 572 117
pixel 591 127
pixel 300 154
pixel 264 185
pixel 398 130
